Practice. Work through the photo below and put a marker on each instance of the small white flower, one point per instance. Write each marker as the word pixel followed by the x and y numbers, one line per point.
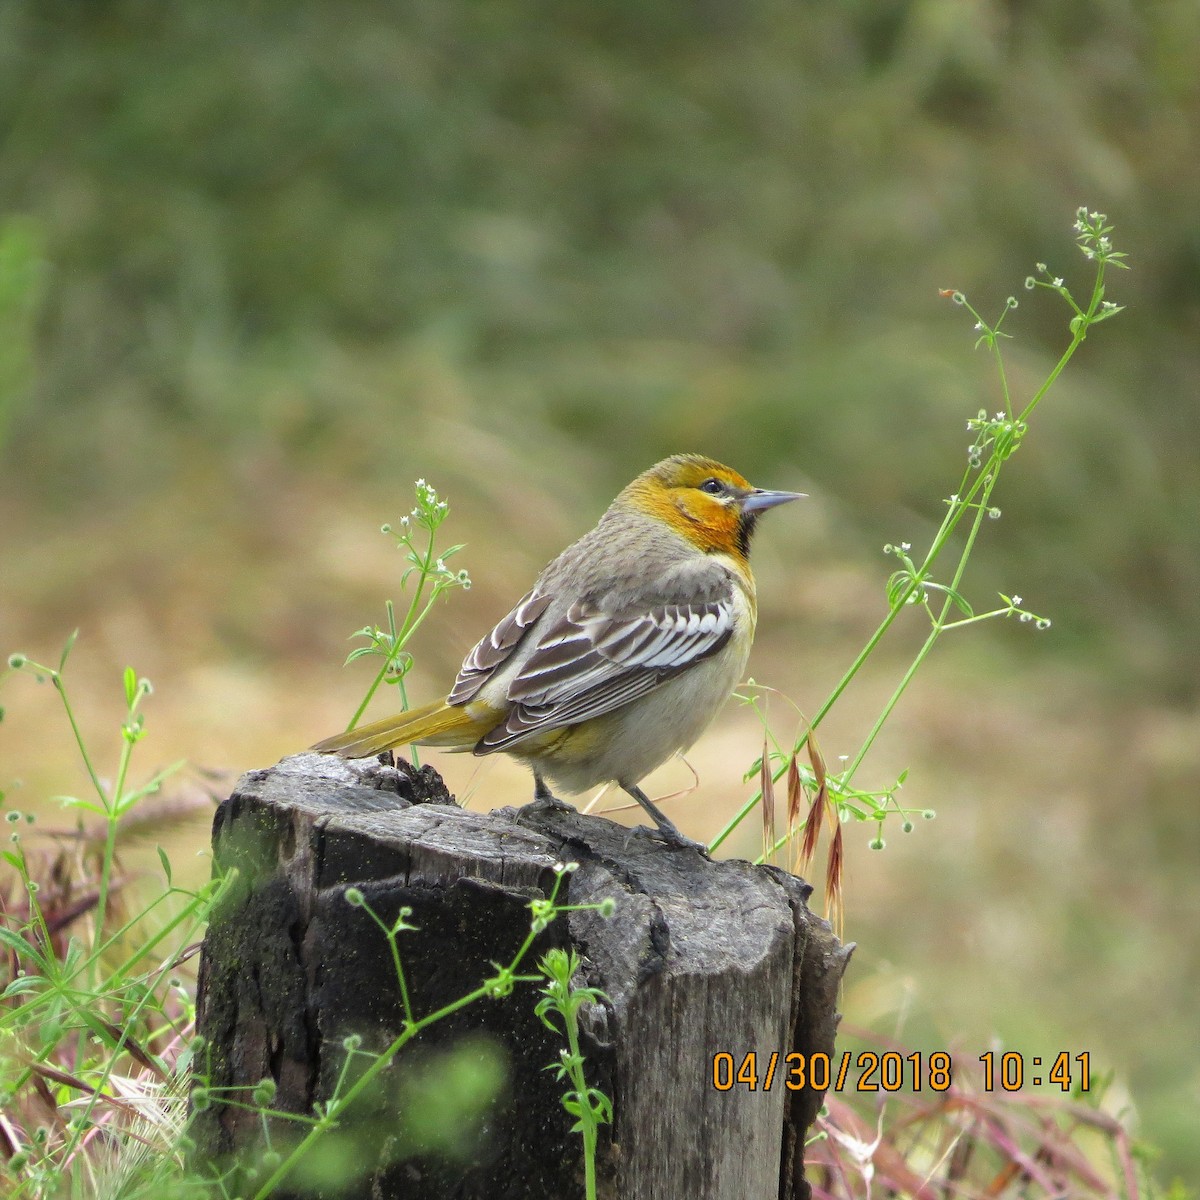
pixel 1016 601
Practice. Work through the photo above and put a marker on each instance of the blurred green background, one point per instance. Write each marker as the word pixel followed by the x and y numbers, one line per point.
pixel 264 264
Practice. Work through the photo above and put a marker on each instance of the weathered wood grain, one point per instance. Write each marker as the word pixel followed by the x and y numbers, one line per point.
pixel 699 957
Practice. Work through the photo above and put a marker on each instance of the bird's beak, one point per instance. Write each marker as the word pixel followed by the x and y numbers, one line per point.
pixel 760 499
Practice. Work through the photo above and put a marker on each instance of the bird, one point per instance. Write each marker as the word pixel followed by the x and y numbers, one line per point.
pixel 623 651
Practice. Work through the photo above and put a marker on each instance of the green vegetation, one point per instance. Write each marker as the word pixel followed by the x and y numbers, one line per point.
pixel 97 1005
pixel 996 439
pixel 428 564
pixel 590 1107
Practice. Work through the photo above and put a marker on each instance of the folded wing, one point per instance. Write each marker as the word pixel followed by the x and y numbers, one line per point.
pixel 493 651
pixel 590 662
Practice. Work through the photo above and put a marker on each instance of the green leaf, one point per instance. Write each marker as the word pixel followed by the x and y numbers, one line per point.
pixel 21 946
pixel 151 785
pixel 958 600
pixel 27 983
pixel 166 863
pixel 897 585
pixel 87 805
pixel 130 687
pixel 68 646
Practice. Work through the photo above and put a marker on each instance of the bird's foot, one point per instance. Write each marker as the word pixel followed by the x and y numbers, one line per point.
pixel 666 831
pixel 670 836
pixel 544 800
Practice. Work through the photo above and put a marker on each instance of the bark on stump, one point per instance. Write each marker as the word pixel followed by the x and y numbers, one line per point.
pixel 700 958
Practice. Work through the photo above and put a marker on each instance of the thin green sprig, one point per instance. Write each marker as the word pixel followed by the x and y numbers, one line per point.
pixel 590 1107
pixel 88 1017
pixel 416 535
pixel 995 439
pixel 112 802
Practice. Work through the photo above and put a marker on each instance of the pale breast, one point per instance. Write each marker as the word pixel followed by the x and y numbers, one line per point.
pixel 627 744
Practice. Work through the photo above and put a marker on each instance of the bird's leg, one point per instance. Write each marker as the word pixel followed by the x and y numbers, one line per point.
pixel 544 799
pixel 666 829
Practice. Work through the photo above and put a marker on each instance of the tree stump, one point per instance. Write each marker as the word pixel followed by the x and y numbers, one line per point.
pixel 700 959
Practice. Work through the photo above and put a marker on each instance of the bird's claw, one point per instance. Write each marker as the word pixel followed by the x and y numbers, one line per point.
pixel 548 802
pixel 670 837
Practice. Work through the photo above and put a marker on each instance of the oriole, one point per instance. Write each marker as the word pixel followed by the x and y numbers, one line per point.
pixel 622 653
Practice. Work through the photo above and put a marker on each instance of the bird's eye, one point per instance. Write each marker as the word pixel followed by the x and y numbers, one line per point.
pixel 714 487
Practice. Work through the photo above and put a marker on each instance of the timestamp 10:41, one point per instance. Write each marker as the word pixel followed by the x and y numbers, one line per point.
pixel 1008 1071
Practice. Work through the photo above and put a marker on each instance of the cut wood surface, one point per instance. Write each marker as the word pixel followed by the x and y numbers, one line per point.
pixel 699 959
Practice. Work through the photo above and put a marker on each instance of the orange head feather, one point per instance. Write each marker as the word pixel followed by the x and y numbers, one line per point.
pixel 704 501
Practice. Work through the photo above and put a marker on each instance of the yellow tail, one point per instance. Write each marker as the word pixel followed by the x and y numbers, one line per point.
pixel 436 724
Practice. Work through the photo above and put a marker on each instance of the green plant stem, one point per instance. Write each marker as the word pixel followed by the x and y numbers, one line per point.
pixel 982 486
pixel 847 775
pixel 108 803
pixel 990 476
pixel 383 670
pixel 947 528
pixel 390 935
pixel 587 1127
pixel 106 862
pixel 398 1043
pixel 409 626
pixel 197 910
pixel 414 753
pixel 61 688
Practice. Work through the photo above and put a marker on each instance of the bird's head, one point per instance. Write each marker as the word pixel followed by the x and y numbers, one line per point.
pixel 704 501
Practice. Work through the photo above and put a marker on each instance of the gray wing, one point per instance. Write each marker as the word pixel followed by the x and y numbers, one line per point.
pixel 493 651
pixel 590 662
